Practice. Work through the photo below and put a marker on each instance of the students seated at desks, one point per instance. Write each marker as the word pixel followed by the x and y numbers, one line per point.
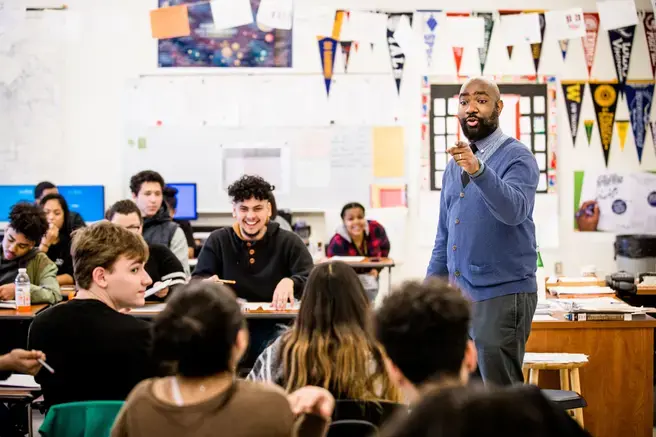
pixel 97 352
pixel 185 225
pixel 357 236
pixel 203 332
pixel 56 243
pixel 45 188
pixel 27 226
pixel 268 264
pixel 518 411
pixel 158 228
pixel 330 344
pixel 162 264
pixel 284 224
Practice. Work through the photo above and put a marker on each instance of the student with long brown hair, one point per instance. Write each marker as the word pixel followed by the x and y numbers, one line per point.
pixel 330 344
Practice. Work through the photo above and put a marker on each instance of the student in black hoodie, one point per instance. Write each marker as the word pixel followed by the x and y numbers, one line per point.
pixel 159 228
pixel 267 263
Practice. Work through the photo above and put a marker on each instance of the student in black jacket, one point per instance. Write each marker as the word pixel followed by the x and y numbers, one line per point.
pixel 267 263
pixel 43 189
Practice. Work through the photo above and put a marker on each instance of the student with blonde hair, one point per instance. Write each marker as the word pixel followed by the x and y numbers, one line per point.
pixel 330 344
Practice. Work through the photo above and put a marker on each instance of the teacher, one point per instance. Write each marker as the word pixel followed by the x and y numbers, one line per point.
pixel 486 236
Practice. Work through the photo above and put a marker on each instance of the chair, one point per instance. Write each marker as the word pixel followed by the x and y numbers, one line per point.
pixel 352 428
pixel 568 366
pixel 81 419
pixel 376 413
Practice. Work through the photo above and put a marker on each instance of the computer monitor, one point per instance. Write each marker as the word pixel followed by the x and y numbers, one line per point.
pixel 187 206
pixel 11 195
pixel 86 200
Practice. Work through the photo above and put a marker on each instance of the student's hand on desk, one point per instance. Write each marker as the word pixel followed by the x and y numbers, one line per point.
pixel 7 292
pixel 22 361
pixel 283 294
pixel 312 400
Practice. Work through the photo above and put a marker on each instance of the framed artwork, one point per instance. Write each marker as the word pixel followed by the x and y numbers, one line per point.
pixel 250 46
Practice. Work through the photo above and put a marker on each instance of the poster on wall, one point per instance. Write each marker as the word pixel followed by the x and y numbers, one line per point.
pixel 250 45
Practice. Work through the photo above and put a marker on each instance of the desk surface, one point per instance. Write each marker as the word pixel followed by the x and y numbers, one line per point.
pixel 365 263
pixel 14 314
pixel 263 314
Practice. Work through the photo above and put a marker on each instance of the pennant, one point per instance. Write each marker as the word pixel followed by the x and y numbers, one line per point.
pixel 604 95
pixel 622 130
pixel 458 51
pixel 589 124
pixel 573 92
pixel 621 44
pixel 489 25
pixel 430 23
pixel 327 48
pixel 639 97
pixel 536 48
pixel 502 13
pixel 564 45
pixel 650 30
pixel 397 57
pixel 346 52
pixel 590 39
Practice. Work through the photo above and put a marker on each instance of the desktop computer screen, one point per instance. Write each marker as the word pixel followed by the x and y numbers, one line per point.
pixel 187 207
pixel 86 200
pixel 12 194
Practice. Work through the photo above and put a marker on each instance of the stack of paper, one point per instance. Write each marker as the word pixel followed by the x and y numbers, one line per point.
pixel 581 290
pixel 19 381
pixel 535 357
pixel 601 305
pixel 8 304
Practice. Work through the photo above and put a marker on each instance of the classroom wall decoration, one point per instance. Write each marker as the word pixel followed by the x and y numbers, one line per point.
pixel 248 45
pixel 458 51
pixel 649 25
pixel 527 116
pixel 604 95
pixel 622 131
pixel 573 93
pixel 588 124
pixel 621 43
pixel 639 98
pixel 429 25
pixel 489 27
pixel 327 49
pixel 397 57
pixel 564 46
pixel 536 48
pixel 590 40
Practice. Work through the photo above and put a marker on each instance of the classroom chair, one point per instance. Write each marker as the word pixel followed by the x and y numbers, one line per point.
pixel 569 397
pixel 81 419
pixel 352 428
pixel 375 413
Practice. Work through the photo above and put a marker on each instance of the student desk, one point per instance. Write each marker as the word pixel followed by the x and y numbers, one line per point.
pixel 617 382
pixel 23 396
pixel 368 263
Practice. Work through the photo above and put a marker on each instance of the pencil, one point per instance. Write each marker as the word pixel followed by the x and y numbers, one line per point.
pixel 226 281
pixel 44 364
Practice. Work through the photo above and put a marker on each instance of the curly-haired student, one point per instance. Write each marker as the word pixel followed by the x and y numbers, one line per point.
pixel 267 263
pixel 27 225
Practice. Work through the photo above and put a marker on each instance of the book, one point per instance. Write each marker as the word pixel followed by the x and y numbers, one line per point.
pixel 598 317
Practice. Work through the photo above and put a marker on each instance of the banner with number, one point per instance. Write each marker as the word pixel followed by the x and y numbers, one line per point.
pixel 650 31
pixel 639 97
pixel 590 39
pixel 397 57
pixel 327 50
pixel 604 96
pixel 573 93
pixel 489 26
pixel 621 44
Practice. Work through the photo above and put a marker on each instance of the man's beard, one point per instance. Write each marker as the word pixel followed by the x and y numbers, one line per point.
pixel 250 235
pixel 484 128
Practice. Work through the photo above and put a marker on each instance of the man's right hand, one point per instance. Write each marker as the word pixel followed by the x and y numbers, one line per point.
pixel 22 361
pixel 587 217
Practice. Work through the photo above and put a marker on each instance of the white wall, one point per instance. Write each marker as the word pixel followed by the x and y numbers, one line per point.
pixel 114 45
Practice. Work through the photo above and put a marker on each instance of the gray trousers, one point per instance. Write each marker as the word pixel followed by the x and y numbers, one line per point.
pixel 500 329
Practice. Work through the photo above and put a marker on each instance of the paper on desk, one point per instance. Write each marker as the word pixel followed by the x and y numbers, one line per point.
pixel 353 259
pixel 266 306
pixel 581 290
pixel 18 380
pixel 228 14
pixel 8 304
pixel 614 14
pixel 160 287
pixel 570 280
pixel 543 318
pixel 156 308
pixel 537 357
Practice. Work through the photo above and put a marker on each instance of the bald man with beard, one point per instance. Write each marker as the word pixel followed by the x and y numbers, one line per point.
pixel 486 236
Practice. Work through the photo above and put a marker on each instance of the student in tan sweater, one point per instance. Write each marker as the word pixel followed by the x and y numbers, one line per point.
pixel 202 335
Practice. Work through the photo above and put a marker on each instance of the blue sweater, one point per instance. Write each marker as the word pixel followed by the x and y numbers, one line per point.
pixel 486 236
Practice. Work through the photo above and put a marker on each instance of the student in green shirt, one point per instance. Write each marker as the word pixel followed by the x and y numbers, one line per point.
pixel 27 225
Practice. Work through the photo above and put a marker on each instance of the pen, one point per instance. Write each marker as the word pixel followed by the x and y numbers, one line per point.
pixel 44 364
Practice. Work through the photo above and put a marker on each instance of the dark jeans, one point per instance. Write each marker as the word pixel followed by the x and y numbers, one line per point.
pixel 500 330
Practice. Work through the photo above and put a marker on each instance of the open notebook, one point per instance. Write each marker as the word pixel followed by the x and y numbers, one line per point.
pixel 19 381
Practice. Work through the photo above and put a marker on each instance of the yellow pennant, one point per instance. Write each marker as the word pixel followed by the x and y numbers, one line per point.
pixel 622 130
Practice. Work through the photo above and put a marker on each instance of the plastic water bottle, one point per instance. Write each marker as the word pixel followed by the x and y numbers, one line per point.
pixel 541 279
pixel 23 300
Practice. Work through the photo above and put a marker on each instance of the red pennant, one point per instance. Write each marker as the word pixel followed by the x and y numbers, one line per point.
pixel 458 51
pixel 346 53
pixel 590 38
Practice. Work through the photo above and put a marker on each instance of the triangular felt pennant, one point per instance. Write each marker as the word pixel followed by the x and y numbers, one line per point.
pixel 650 31
pixel 502 13
pixel 590 38
pixel 564 45
pixel 589 124
pixel 621 44
pixel 573 93
pixel 429 23
pixel 639 97
pixel 604 96
pixel 327 50
pixel 622 130
pixel 346 52
pixel 458 51
pixel 489 26
pixel 536 48
pixel 397 57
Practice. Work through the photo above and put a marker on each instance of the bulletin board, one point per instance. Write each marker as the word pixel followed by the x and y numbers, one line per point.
pixel 525 116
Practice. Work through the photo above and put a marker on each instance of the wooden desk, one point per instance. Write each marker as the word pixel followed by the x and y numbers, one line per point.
pixel 15 315
pixel 367 263
pixel 281 315
pixel 617 383
pixel 21 396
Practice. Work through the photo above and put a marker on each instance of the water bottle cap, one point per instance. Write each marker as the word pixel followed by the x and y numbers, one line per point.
pixel 22 270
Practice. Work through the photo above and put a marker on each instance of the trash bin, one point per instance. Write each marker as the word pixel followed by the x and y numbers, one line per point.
pixel 635 253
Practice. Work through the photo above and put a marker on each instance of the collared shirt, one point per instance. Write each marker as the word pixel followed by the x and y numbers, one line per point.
pixel 486 148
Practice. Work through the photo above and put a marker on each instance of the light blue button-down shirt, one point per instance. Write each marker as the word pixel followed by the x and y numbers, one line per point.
pixel 486 148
